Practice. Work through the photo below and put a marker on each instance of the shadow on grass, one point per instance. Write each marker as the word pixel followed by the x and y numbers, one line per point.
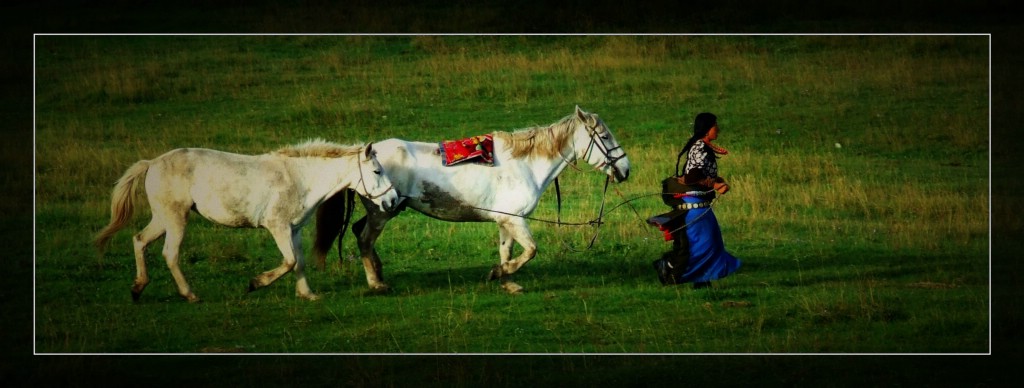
pixel 864 266
pixel 631 267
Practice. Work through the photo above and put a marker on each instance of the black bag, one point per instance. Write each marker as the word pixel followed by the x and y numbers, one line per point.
pixel 671 186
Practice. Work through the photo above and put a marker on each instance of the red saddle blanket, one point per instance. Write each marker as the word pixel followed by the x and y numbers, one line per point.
pixel 477 148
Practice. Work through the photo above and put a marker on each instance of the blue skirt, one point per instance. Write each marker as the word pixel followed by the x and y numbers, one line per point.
pixel 708 258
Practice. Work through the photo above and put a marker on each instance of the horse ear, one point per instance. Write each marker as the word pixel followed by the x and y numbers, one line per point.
pixel 369 150
pixel 585 117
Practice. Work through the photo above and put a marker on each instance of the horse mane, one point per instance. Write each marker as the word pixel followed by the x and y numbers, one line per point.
pixel 547 141
pixel 319 148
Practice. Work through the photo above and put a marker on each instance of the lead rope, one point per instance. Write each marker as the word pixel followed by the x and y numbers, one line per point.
pixel 596 222
pixel 604 195
pixel 628 201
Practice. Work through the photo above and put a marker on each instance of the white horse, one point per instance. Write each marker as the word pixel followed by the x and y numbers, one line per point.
pixel 525 164
pixel 277 191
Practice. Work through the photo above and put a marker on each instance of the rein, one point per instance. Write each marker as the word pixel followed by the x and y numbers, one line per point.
pixel 630 200
pixel 609 160
pixel 363 181
pixel 604 195
pixel 597 221
pixel 601 213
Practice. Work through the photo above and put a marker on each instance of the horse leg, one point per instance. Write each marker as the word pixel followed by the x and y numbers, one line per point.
pixel 301 284
pixel 289 243
pixel 331 217
pixel 505 245
pixel 520 233
pixel 367 230
pixel 371 260
pixel 148 234
pixel 175 233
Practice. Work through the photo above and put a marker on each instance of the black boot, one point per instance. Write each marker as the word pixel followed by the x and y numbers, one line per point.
pixel 665 271
pixel 672 264
pixel 679 257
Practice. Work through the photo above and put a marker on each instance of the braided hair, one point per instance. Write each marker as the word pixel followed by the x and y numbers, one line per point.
pixel 701 126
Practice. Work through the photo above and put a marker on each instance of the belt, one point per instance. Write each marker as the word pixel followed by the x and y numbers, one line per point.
pixel 691 206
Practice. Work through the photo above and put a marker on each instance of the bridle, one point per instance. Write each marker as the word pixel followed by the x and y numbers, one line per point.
pixel 609 160
pixel 363 181
pixel 607 152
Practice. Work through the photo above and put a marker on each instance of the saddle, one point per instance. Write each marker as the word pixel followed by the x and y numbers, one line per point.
pixel 478 149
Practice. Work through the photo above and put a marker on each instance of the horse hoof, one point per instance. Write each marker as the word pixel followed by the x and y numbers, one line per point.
pixel 192 298
pixel 135 296
pixel 512 288
pixel 253 285
pixel 379 289
pixel 310 297
pixel 496 273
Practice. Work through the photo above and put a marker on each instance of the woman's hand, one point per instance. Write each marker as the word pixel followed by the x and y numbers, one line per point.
pixel 721 187
pixel 716 183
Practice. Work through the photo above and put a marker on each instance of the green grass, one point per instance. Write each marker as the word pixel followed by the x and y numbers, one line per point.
pixel 879 246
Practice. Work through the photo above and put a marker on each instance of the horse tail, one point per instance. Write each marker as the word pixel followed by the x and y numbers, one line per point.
pixel 122 203
pixel 332 218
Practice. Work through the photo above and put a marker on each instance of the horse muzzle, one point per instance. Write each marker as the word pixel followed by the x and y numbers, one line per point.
pixel 620 174
pixel 387 200
pixel 391 202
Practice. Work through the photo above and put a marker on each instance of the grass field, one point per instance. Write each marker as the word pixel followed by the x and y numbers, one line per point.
pixel 859 208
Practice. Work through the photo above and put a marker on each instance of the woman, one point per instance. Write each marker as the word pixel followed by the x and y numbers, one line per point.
pixel 698 253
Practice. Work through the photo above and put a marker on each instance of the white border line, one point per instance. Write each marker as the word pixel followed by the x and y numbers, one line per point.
pixel 34 183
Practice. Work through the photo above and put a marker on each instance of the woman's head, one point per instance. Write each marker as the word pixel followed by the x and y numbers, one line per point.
pixel 703 124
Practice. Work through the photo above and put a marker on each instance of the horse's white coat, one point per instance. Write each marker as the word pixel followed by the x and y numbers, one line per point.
pixel 273 191
pixel 512 186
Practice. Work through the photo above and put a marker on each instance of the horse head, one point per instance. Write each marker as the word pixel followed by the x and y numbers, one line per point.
pixel 374 182
pixel 601 150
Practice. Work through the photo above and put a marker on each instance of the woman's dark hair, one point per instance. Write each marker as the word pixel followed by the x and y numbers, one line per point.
pixel 701 126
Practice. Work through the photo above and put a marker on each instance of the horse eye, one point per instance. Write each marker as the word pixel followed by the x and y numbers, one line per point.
pixel 376 172
pixel 604 137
